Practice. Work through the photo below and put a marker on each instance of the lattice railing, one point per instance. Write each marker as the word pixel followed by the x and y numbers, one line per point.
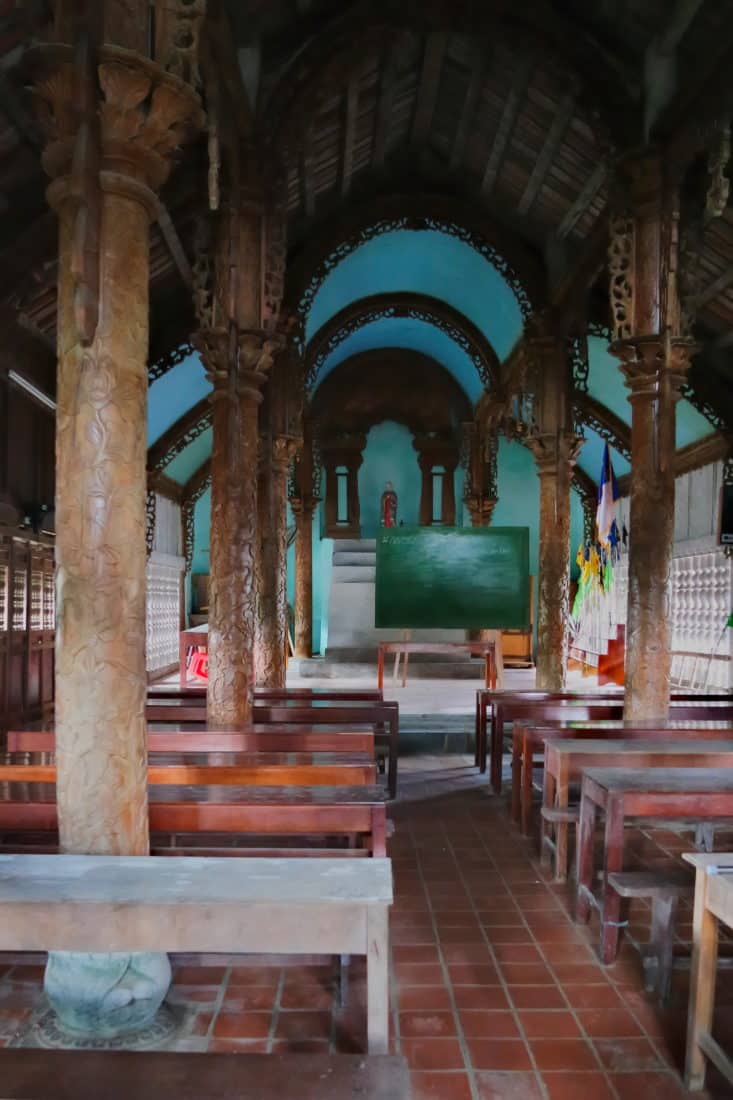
pixel 163 620
pixel 701 592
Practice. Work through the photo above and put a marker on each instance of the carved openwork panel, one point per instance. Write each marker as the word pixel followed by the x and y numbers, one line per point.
pixel 178 26
pixel 163 611
pixel 621 271
pixel 166 362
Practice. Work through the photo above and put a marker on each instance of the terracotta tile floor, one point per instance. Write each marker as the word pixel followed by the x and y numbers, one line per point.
pixel 496 994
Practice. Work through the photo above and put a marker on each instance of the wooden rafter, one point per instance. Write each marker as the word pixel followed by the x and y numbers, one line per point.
pixel 718 285
pixel 427 92
pixel 468 110
pixel 552 143
pixel 617 429
pixel 588 193
pixel 170 235
pixel 505 129
pixel 351 108
pixel 198 478
pixel 385 101
pixel 307 182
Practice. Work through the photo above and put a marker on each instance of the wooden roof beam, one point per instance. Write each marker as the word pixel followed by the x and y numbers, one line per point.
pixel 552 143
pixel 590 189
pixel 170 235
pixel 469 108
pixel 351 108
pixel 505 129
pixel 307 183
pixel 385 100
pixel 427 93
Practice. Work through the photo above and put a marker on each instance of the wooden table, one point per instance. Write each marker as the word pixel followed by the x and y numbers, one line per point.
pixel 148 903
pixel 713 904
pixel 668 793
pixel 566 760
pixel 263 769
pixel 266 811
pixel 194 738
pixel 491 651
pixel 297 711
pixel 528 740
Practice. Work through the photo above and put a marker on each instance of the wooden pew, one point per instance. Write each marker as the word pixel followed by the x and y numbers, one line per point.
pixel 159 692
pixel 528 740
pixel 30 1074
pixel 566 760
pixel 486 700
pixel 299 711
pixel 698 707
pixel 352 812
pixel 143 903
pixel 207 769
pixel 256 739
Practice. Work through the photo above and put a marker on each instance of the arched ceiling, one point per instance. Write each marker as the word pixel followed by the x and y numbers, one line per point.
pixel 428 262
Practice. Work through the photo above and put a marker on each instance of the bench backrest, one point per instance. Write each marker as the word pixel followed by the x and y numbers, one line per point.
pixel 267 739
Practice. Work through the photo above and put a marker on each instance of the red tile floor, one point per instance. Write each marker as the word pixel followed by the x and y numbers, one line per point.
pixel 496 994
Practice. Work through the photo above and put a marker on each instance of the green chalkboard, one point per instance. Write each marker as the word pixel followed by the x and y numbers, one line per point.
pixel 453 578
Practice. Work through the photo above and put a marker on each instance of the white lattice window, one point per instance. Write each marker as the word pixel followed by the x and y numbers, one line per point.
pixel 701 603
pixel 163 619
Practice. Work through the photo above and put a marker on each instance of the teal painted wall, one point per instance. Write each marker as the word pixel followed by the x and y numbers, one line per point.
pixel 388 456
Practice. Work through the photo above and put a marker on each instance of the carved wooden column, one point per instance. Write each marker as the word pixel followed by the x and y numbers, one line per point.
pixel 272 603
pixel 303 503
pixel 425 463
pixel 113 116
pixel 555 447
pixel 237 344
pixel 448 493
pixel 655 355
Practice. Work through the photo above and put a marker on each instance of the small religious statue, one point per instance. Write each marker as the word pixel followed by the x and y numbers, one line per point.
pixel 388 507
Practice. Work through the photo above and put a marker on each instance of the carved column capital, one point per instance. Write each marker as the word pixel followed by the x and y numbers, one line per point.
pixel 144 114
pixel 284 448
pixel 553 451
pixel 480 509
pixel 648 363
pixel 244 378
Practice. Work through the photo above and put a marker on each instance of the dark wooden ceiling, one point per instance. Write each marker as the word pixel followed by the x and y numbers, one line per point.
pixel 518 106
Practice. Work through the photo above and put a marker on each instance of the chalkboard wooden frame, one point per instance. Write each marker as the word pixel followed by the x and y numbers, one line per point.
pixel 453 578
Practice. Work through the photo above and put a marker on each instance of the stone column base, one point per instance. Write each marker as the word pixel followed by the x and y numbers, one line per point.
pixel 106 996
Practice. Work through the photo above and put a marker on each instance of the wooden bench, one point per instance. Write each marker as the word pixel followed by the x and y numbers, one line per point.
pixel 696 707
pixel 356 813
pixel 257 739
pixel 304 712
pixel 196 692
pixel 30 1074
pixel 664 889
pixel 145 903
pixel 207 769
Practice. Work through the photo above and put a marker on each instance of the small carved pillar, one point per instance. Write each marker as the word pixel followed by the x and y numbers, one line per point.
pixel 344 453
pixel 481 492
pixel 237 346
pixel 113 116
pixel 426 489
pixel 281 416
pixel 303 502
pixel 555 448
pixel 655 356
pixel 448 493
pixel 437 451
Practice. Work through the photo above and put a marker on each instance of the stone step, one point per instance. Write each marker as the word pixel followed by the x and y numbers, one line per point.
pixel 354 574
pixel 353 557
pixel 357 545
